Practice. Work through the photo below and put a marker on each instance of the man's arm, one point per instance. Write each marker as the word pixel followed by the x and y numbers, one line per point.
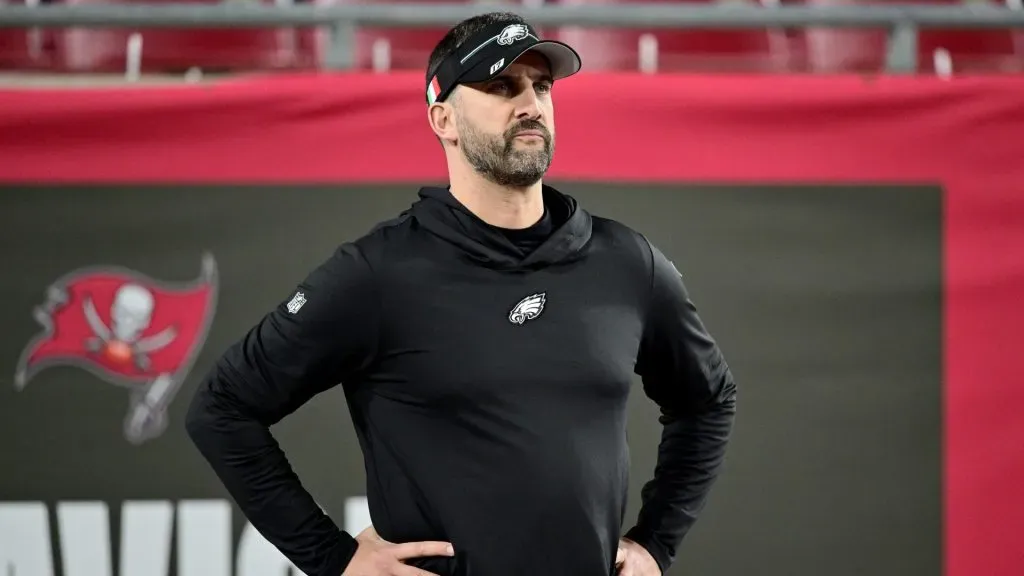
pixel 281 363
pixel 684 372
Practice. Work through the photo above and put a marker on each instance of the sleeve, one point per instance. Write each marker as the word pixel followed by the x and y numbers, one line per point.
pixel 685 373
pixel 322 334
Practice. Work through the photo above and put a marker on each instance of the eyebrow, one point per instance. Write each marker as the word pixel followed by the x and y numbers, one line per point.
pixel 543 77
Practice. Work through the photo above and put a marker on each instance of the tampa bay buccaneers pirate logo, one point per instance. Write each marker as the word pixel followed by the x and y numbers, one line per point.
pixel 127 329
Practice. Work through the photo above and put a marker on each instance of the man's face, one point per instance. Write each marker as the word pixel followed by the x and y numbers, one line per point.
pixel 506 125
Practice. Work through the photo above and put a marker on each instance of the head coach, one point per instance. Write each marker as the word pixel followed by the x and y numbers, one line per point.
pixel 486 340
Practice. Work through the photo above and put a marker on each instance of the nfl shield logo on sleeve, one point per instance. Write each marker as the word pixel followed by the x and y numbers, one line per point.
pixel 296 302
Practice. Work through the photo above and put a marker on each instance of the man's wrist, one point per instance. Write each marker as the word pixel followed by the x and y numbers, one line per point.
pixel 342 554
pixel 646 539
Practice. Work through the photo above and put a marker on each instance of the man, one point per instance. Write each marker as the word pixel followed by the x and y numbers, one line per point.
pixel 486 341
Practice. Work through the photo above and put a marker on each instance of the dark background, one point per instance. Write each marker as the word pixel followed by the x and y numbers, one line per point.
pixel 826 301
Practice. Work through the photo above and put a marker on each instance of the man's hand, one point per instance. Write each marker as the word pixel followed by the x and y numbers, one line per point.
pixel 378 557
pixel 634 560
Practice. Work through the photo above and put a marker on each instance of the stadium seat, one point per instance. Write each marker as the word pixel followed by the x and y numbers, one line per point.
pixel 383 49
pixel 939 50
pixel 680 50
pixel 174 50
pixel 816 49
pixel 25 50
pixel 971 51
pixel 379 48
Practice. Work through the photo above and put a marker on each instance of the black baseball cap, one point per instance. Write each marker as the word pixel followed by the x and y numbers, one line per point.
pixel 488 52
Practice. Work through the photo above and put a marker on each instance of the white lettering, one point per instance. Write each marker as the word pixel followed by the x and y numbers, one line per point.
pixel 204 538
pixel 25 548
pixel 258 557
pixel 85 538
pixel 357 515
pixel 146 538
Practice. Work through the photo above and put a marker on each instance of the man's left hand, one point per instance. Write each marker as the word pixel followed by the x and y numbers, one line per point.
pixel 633 559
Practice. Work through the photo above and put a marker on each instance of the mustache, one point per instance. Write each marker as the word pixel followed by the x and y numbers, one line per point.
pixel 528 125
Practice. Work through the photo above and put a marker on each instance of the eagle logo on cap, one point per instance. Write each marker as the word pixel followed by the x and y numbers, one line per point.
pixel 512 33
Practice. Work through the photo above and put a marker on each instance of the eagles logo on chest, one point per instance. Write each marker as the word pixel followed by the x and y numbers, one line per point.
pixel 528 308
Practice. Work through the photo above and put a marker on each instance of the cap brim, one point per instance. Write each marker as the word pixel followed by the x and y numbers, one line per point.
pixel 563 60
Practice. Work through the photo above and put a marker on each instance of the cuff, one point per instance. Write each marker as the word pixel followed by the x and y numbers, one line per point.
pixel 341 555
pixel 650 543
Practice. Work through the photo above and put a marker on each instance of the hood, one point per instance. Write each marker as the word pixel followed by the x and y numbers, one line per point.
pixel 444 216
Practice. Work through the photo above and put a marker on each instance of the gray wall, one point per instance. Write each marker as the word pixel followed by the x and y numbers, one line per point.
pixel 827 302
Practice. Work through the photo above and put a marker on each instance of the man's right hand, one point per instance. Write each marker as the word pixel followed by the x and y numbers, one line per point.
pixel 378 557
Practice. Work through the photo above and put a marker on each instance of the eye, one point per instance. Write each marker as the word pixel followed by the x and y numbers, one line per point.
pixel 543 86
pixel 499 86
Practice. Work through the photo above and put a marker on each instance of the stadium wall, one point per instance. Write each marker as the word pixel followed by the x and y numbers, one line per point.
pixel 856 245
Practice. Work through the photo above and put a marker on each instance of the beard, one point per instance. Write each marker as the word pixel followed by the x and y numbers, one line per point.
pixel 497 159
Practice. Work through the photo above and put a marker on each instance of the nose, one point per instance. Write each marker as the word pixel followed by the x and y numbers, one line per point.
pixel 528 105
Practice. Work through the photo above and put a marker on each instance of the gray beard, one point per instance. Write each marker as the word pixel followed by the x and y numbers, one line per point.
pixel 497 159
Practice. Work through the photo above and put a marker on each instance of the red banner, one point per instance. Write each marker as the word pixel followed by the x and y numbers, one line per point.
pixel 964 135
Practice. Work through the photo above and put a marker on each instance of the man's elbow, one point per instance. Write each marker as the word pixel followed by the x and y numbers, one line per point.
pixel 202 412
pixel 721 384
pixel 726 388
pixel 223 404
pixel 212 406
pixel 723 400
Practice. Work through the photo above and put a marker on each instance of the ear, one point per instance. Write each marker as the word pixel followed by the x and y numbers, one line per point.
pixel 441 116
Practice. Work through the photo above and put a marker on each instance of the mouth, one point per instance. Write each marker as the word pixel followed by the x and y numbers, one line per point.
pixel 530 134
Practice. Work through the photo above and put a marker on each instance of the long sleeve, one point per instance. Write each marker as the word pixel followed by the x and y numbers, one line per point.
pixel 321 334
pixel 685 373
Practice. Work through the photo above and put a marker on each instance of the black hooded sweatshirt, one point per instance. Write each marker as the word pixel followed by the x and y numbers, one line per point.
pixel 487 373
